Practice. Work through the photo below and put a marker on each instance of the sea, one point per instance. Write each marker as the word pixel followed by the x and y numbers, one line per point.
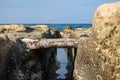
pixel 60 27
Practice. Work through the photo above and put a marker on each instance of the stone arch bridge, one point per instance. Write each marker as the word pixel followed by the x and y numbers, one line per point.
pixel 48 43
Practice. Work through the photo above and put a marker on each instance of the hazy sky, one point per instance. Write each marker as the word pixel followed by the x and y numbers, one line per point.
pixel 49 11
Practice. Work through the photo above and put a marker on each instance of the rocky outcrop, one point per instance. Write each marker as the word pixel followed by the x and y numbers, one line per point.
pixel 12 28
pixel 55 34
pixel 86 65
pixel 106 20
pixel 81 32
pixel 98 57
pixel 41 27
pixel 17 63
pixel 67 32
pixel 17 31
pixel 5 56
pixel 106 27
pixel 71 52
pixel 76 33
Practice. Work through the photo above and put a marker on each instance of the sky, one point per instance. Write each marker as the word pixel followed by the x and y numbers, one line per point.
pixel 49 11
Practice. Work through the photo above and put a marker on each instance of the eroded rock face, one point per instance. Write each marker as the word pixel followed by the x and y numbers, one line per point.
pixel 86 62
pixel 106 20
pixel 98 58
pixel 76 33
pixel 81 32
pixel 4 55
pixel 106 26
pixel 16 63
pixel 12 28
pixel 18 31
pixel 67 32
pixel 41 27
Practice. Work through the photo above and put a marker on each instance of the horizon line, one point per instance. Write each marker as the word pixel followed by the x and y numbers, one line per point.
pixel 45 23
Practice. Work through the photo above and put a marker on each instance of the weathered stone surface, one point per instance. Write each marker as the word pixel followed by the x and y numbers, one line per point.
pixel 55 34
pixel 87 59
pixel 4 56
pixel 106 21
pixel 81 32
pixel 98 58
pixel 19 31
pixel 106 27
pixel 76 33
pixel 67 32
pixel 41 27
pixel 49 43
pixel 12 28
pixel 16 63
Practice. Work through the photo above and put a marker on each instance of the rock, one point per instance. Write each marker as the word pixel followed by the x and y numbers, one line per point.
pixel 55 34
pixel 86 61
pixel 15 32
pixel 12 28
pixel 16 63
pixel 67 32
pixel 41 27
pixel 49 43
pixel 29 40
pixel 106 20
pixel 106 32
pixel 5 55
pixel 81 32
pixel 67 28
pixel 98 57
pixel 76 33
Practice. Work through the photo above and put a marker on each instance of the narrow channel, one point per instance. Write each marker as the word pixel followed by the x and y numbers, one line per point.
pixel 62 60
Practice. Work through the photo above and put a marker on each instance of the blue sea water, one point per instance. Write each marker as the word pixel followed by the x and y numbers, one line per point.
pixel 62 58
pixel 60 27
